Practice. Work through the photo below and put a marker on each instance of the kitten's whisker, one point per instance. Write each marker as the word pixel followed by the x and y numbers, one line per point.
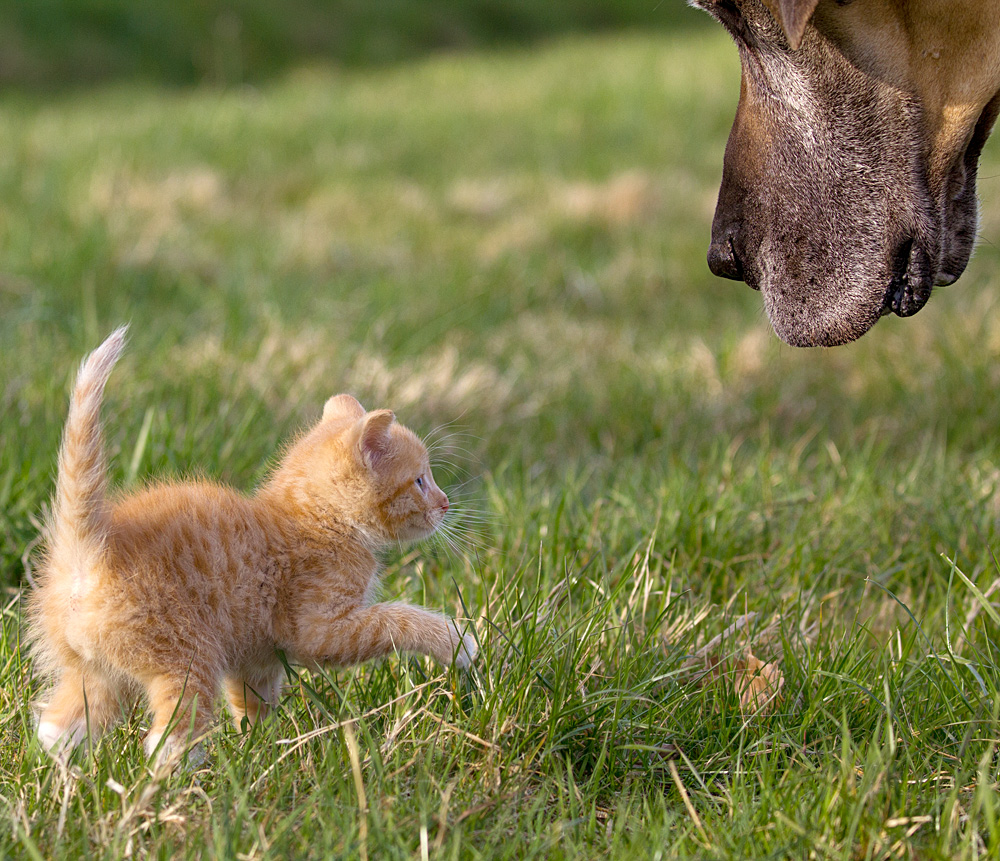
pixel 464 533
pixel 466 504
pixel 453 429
pixel 449 546
pixel 458 532
pixel 466 512
pixel 466 519
pixel 449 445
pixel 447 439
pixel 434 442
pixel 459 488
pixel 451 459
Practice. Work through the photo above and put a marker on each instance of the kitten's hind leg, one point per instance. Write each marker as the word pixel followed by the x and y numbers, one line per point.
pixel 81 705
pixel 252 697
pixel 182 710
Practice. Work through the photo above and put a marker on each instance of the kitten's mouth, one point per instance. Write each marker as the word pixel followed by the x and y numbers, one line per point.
pixel 434 519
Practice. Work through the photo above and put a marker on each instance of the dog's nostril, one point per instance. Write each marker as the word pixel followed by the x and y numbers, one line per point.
pixel 722 259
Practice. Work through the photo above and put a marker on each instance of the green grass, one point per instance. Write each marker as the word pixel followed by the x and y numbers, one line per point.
pixel 510 245
pixel 48 44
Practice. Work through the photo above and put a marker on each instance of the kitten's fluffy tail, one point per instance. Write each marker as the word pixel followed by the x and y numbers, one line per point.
pixel 80 515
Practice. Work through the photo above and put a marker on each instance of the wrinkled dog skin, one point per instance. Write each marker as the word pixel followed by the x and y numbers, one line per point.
pixel 849 184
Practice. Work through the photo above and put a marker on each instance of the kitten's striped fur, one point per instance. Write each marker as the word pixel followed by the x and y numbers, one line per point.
pixel 184 588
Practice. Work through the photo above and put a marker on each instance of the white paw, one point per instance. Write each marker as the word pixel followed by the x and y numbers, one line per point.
pixel 174 751
pixel 58 739
pixel 152 740
pixel 467 650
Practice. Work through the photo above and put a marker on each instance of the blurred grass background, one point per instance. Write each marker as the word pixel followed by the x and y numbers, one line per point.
pixel 493 218
pixel 53 43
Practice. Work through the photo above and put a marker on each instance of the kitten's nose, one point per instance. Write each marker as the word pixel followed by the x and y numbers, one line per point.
pixel 444 504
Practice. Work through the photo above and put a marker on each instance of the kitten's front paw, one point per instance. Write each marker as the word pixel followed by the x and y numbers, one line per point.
pixel 466 648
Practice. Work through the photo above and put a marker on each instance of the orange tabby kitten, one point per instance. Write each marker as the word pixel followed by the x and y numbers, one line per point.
pixel 183 588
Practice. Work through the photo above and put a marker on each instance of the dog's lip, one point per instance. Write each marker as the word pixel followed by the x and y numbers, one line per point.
pixel 911 280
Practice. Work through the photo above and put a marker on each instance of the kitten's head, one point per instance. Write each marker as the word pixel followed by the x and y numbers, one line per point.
pixel 366 468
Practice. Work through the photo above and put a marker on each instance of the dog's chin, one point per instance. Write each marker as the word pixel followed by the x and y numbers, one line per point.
pixel 808 323
pixel 811 308
pixel 811 331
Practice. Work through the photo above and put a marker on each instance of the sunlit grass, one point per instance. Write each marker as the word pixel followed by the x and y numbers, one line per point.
pixel 509 247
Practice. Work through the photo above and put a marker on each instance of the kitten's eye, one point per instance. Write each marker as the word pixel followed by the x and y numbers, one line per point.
pixel 419 482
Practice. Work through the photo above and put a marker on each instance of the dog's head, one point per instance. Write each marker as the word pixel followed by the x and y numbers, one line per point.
pixel 848 190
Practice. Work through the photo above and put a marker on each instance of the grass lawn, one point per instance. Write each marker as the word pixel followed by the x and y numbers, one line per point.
pixel 508 247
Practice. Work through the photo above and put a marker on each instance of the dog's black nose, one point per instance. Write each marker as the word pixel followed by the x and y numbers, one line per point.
pixel 722 258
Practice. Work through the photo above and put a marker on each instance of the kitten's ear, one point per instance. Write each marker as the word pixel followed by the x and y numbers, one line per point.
pixel 374 440
pixel 342 407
